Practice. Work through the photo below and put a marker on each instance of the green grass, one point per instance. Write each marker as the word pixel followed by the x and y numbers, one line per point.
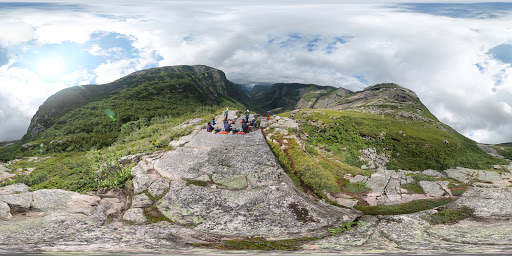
pixel 422 147
pixel 413 188
pixel 411 207
pixel 263 244
pixel 90 170
pixel 355 188
pixel 200 183
pixel 318 173
pixel 345 226
pixel 450 216
pixel 457 188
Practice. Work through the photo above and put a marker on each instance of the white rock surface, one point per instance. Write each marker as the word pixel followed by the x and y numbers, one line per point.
pixel 135 215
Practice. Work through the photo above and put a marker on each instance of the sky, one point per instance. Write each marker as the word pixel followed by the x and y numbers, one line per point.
pixel 456 55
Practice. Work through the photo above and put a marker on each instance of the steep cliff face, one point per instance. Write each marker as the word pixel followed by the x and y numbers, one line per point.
pixel 200 84
pixel 291 96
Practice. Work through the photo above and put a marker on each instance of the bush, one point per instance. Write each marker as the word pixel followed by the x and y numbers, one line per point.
pixel 413 206
pixel 450 216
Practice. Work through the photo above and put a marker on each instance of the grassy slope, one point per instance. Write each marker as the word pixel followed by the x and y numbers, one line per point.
pixel 89 170
pixel 97 124
pixel 410 145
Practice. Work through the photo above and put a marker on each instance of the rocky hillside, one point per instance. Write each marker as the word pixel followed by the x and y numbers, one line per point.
pixel 282 97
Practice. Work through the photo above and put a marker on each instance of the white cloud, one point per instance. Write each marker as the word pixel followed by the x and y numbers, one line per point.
pixel 433 55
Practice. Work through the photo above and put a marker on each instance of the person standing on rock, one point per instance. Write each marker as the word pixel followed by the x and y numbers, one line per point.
pixel 226 114
pixel 268 115
pixel 246 116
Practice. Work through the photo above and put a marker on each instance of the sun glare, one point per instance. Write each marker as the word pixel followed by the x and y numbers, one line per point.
pixel 49 68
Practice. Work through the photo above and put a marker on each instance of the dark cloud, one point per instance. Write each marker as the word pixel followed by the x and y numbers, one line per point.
pixel 13 122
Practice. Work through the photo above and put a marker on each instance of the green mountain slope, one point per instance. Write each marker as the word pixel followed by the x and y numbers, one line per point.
pixel 91 116
pixel 392 121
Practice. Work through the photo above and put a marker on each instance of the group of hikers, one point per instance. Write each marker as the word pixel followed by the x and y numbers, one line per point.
pixel 246 124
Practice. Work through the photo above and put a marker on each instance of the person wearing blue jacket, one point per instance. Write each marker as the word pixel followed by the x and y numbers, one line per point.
pixel 227 126
pixel 245 127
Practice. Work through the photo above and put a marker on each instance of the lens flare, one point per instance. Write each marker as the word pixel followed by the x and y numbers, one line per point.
pixel 110 113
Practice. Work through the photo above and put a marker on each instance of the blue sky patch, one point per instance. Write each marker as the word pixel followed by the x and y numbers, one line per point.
pixel 313 44
pixel 331 47
pixel 292 38
pixel 40 6
pixel 361 79
pixel 459 10
pixel 3 57
pixel 502 52
pixel 71 56
pixel 117 46
pixel 100 49
pixel 188 38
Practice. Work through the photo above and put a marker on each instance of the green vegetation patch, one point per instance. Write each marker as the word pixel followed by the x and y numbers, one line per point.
pixel 413 206
pixel 96 168
pixel 153 215
pixel 457 188
pixel 319 173
pixel 262 244
pixel 450 216
pixel 345 226
pixel 200 183
pixel 504 149
pixel 413 188
pixel 411 145
pixel 355 188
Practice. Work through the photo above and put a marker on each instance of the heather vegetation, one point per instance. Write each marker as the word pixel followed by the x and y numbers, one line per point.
pixel 317 171
pixel 410 145
pixel 89 170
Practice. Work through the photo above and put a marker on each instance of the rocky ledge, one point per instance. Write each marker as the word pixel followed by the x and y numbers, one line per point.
pixel 214 187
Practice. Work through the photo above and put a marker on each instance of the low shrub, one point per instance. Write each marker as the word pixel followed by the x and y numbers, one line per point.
pixel 450 216
pixel 410 207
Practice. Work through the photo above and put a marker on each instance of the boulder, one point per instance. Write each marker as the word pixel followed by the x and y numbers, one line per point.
pixel 358 179
pixel 463 175
pixel 435 188
pixel 487 200
pixel 141 183
pixel 14 189
pixel 5 211
pixel 51 199
pixel 57 200
pixel 488 176
pixel 113 205
pixel 135 215
pixel 20 201
pixel 158 187
pixel 433 173
pixel 141 201
pixel 83 204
